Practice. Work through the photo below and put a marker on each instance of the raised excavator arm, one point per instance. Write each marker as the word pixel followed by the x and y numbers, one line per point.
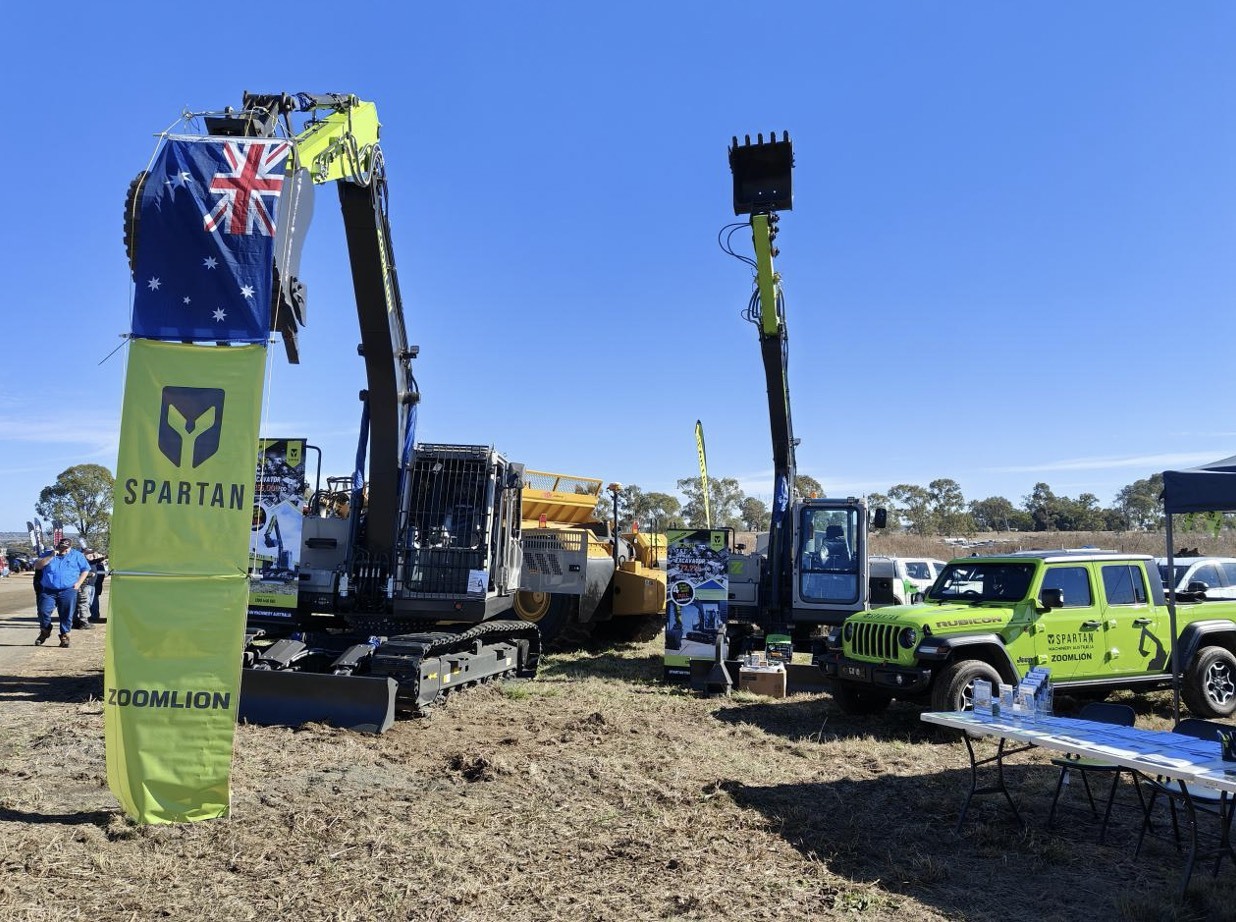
pixel 340 143
pixel 763 186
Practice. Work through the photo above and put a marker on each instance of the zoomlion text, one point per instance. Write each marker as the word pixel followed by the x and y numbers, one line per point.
pixel 169 698
pixel 185 493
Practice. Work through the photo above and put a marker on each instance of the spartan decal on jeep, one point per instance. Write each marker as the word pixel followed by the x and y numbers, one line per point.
pixel 190 418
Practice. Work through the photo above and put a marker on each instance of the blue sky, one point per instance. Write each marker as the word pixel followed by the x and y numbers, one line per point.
pixel 1011 256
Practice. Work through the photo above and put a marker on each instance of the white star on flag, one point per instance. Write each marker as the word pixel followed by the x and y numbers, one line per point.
pixel 186 299
pixel 210 262
pixel 219 314
pixel 247 291
pixel 154 284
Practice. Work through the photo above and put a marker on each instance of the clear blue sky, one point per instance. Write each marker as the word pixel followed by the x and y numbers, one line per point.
pixel 1012 256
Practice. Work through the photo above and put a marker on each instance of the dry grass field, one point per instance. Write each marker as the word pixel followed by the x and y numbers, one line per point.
pixel 595 792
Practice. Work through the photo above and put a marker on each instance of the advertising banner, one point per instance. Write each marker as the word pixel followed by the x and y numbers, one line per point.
pixel 275 530
pixel 697 594
pixel 180 540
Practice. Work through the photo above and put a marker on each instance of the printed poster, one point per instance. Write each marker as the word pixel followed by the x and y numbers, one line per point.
pixel 697 596
pixel 275 532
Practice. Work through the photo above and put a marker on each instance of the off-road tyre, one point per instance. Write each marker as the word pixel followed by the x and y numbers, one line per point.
pixel 1209 684
pixel 132 204
pixel 557 617
pixel 859 702
pixel 953 689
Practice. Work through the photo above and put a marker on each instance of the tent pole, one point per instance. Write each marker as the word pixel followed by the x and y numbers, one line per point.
pixel 1171 613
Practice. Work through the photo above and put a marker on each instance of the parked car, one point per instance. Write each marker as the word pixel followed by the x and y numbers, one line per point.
pixel 896 580
pixel 19 563
pixel 1208 578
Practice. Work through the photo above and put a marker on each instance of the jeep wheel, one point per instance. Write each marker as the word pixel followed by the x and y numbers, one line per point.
pixel 859 702
pixel 954 689
pixel 1209 685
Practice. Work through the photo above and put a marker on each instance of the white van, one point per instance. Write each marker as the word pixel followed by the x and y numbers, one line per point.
pixel 896 580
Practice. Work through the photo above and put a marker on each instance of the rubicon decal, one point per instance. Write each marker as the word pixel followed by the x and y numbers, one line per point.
pixel 190 422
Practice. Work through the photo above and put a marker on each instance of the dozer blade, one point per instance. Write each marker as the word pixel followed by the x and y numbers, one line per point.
pixel 288 699
pixel 762 174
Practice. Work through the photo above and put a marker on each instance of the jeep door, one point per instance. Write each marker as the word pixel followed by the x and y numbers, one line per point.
pixel 1069 640
pixel 1131 624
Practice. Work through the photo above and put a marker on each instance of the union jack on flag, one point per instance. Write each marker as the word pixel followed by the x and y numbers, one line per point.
pixel 255 174
pixel 207 222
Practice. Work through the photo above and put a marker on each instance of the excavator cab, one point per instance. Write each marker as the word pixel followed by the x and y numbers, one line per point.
pixel 762 174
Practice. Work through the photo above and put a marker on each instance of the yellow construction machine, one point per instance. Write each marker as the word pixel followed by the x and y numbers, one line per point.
pixel 586 574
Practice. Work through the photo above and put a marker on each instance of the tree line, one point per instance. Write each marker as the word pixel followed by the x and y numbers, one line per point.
pixel 81 497
pixel 940 508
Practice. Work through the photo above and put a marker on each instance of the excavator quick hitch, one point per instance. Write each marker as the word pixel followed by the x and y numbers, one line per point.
pixel 762 174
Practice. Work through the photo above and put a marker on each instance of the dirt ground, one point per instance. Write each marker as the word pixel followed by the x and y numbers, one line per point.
pixel 595 792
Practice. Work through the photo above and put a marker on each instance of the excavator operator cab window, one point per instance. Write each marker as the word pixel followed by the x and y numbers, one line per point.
pixel 829 556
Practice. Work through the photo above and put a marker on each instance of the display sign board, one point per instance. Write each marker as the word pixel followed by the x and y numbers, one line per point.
pixel 278 521
pixel 697 596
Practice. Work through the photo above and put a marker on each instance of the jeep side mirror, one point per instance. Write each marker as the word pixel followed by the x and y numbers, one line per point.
pixel 1052 598
pixel 879 518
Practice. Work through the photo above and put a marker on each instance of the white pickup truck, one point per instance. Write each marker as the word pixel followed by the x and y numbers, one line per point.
pixel 1202 578
pixel 896 580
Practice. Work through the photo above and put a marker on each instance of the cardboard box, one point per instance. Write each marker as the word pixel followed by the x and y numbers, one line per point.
pixel 763 680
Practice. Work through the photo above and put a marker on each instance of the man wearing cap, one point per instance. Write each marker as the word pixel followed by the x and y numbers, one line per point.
pixel 63 573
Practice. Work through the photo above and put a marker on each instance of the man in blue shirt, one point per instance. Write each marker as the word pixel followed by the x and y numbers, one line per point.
pixel 63 573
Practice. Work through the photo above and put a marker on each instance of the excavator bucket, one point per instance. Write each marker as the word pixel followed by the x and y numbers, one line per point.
pixel 283 698
pixel 762 174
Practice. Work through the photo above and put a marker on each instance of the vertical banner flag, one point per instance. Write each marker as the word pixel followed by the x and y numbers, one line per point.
pixel 275 532
pixel 182 507
pixel 697 596
pixel 699 447
pixel 204 238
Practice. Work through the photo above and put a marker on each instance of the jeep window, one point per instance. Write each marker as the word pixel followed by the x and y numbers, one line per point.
pixel 988 581
pixel 1123 584
pixel 1073 581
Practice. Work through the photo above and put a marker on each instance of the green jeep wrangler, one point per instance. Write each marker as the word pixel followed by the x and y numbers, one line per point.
pixel 1097 619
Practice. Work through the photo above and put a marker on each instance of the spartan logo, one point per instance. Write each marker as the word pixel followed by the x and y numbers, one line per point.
pixel 190 423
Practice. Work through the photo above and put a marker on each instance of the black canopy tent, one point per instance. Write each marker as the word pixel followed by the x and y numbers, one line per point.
pixel 1209 488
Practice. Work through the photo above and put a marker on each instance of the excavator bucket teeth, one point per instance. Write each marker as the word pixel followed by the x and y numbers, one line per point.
pixel 288 699
pixel 762 174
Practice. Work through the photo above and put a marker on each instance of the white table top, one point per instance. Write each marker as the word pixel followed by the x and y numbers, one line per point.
pixel 1152 752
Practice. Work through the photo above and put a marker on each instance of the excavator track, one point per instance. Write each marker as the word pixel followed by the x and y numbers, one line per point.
pixel 366 687
pixel 430 665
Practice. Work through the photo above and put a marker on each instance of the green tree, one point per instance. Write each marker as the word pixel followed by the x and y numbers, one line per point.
pixel 1139 506
pixel 808 487
pixel 998 514
pixel 948 514
pixel 1043 507
pixel 724 500
pixel 755 514
pixel 81 497
pixel 913 505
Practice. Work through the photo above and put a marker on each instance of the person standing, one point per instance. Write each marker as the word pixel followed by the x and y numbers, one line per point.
pixel 100 574
pixel 63 573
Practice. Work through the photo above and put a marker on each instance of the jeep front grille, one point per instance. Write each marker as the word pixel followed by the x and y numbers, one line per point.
pixel 875 641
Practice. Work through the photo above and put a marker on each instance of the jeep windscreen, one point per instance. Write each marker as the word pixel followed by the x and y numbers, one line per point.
pixel 990 581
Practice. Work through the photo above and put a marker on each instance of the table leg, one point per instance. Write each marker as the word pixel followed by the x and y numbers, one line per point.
pixel 999 787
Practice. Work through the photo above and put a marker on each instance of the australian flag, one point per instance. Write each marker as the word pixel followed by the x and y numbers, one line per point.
pixel 205 237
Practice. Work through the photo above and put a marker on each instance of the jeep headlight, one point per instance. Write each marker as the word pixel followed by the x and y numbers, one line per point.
pixel 848 632
pixel 907 637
